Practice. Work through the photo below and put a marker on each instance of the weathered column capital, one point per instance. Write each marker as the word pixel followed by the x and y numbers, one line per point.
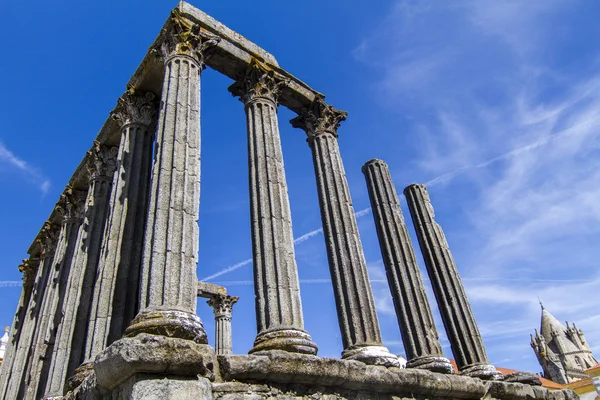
pixel 135 107
pixel 259 82
pixel 29 268
pixel 48 239
pixel 182 37
pixel 222 305
pixel 101 161
pixel 71 205
pixel 319 118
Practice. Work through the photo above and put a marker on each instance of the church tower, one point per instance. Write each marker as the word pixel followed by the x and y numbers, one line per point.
pixel 562 352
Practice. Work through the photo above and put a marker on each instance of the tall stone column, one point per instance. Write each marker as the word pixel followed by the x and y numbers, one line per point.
pixel 222 307
pixel 71 205
pixel 117 288
pixel 29 268
pixel 419 335
pixel 461 328
pixel 358 321
pixel 15 376
pixel 72 329
pixel 170 257
pixel 279 318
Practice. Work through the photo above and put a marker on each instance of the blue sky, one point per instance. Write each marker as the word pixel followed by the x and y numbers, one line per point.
pixel 495 105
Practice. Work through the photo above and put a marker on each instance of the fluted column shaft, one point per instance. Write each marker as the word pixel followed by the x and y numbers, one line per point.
pixel 419 335
pixel 70 338
pixel 222 307
pixel 117 289
pixel 357 317
pixel 279 318
pixel 461 328
pixel 170 257
pixel 16 375
pixel 70 240
pixel 29 268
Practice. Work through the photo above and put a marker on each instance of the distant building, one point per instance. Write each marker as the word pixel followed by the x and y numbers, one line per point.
pixel 562 352
pixel 4 343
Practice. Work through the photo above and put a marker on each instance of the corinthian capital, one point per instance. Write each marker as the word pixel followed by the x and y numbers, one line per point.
pixel 101 161
pixel 29 268
pixel 48 238
pixel 136 108
pixel 319 118
pixel 71 204
pixel 222 304
pixel 258 82
pixel 183 37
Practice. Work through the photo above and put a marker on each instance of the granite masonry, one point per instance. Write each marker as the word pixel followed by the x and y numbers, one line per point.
pixel 108 306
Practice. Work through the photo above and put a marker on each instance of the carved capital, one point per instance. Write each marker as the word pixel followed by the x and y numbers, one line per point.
pixel 71 205
pixel 183 37
pixel 48 239
pixel 29 269
pixel 136 108
pixel 101 161
pixel 258 82
pixel 319 118
pixel 222 304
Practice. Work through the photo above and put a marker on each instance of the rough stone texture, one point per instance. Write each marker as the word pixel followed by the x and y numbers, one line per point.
pixel 169 281
pixel 72 329
pixel 285 375
pixel 357 318
pixel 419 334
pixel 70 242
pixel 153 354
pixel 116 291
pixel 148 387
pixel 461 328
pixel 279 319
pixel 222 307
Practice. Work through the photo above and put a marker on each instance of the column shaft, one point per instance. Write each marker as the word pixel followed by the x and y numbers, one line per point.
pixel 419 335
pixel 70 239
pixel 279 318
pixel 117 289
pixel 461 328
pixel 357 317
pixel 70 338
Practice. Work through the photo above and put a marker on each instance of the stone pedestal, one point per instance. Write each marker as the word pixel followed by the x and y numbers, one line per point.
pixel 461 328
pixel 419 335
pixel 69 344
pixel 279 316
pixel 358 321
pixel 116 293
pixel 222 307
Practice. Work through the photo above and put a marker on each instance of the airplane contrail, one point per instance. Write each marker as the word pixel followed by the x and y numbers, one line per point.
pixel 10 283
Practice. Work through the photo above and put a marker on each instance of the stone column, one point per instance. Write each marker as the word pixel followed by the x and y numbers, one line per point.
pixel 358 321
pixel 222 307
pixel 279 318
pixel 117 288
pixel 419 335
pixel 29 268
pixel 70 338
pixel 170 257
pixel 71 205
pixel 461 328
pixel 15 376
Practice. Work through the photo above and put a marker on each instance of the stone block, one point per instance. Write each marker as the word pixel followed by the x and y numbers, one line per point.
pixel 149 387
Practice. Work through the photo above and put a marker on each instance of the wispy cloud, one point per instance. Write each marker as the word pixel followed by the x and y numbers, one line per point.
pixel 9 159
pixel 10 283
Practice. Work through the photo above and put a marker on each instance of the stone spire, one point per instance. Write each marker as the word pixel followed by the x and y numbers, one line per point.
pixel 419 335
pixel 461 328
pixel 354 301
pixel 4 342
pixel 279 318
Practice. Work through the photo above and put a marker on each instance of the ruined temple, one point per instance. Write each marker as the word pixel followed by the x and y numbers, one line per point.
pixel 108 306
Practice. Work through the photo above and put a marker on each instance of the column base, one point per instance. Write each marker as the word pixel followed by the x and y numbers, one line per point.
pixel 485 372
pixel 79 375
pixel 433 364
pixel 291 340
pixel 153 354
pixel 373 355
pixel 169 323
pixel 526 378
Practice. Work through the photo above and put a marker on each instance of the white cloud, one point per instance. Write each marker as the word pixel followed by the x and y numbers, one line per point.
pixel 8 158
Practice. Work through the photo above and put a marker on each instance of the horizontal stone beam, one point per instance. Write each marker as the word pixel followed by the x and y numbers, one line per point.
pixel 209 290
